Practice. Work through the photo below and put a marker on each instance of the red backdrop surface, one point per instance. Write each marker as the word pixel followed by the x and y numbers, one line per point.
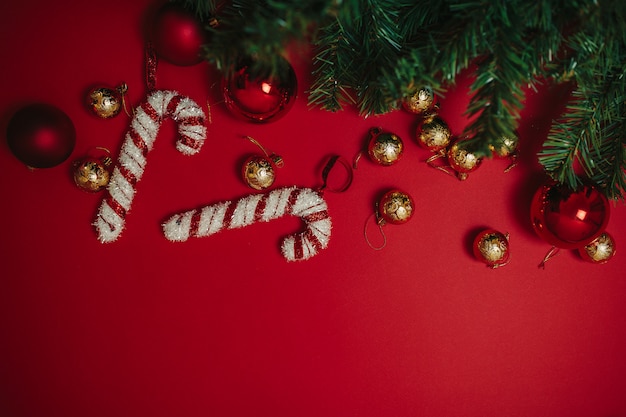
pixel 223 326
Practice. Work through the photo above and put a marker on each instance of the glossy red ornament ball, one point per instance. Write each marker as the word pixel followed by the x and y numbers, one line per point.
pixel 178 35
pixel 260 99
pixel 395 207
pixel 41 135
pixel 569 219
pixel 492 248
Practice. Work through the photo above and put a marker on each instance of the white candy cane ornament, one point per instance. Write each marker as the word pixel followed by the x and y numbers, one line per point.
pixel 306 203
pixel 139 140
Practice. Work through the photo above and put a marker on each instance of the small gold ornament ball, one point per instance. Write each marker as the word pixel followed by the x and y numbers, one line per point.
pixel 505 146
pixel 600 251
pixel 258 172
pixel 492 247
pixel 420 101
pixel 433 133
pixel 462 160
pixel 105 102
pixel 395 207
pixel 91 174
pixel 384 148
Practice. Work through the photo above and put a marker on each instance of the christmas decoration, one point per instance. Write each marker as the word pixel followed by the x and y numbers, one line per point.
pixel 258 170
pixel 492 248
pixel 419 102
pixel 92 172
pixel 506 147
pixel 392 48
pixel 305 203
pixel 433 133
pixel 384 148
pixel 41 135
pixel 395 207
pixel 106 102
pixel 569 218
pixel 258 97
pixel 600 250
pixel 139 140
pixel 178 35
pixel 463 160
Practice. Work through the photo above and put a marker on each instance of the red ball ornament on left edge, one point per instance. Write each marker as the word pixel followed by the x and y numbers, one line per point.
pixel 567 218
pixel 178 35
pixel 41 135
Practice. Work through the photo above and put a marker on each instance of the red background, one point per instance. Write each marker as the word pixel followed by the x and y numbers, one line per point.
pixel 223 326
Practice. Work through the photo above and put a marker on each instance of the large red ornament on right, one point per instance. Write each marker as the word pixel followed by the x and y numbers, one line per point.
pixel 569 218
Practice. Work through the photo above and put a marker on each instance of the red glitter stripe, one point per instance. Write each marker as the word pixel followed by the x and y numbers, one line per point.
pixel 150 111
pixel 313 239
pixel 171 106
pixel 293 197
pixel 228 216
pixel 313 217
pixel 193 121
pixel 130 177
pixel 139 142
pixel 260 208
pixel 192 143
pixel 195 223
pixel 116 206
pixel 297 247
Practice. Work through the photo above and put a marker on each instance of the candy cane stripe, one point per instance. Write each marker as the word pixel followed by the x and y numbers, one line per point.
pixel 305 203
pixel 132 160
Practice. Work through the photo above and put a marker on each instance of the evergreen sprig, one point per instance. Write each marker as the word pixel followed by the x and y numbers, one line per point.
pixel 374 53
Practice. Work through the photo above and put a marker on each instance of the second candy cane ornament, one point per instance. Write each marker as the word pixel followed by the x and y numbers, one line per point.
pixel 139 140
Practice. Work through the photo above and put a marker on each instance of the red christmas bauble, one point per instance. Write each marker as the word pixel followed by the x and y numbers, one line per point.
pixel 395 207
pixel 384 148
pixel 260 99
pixel 569 219
pixel 600 250
pixel 41 135
pixel 178 35
pixel 463 160
pixel 492 248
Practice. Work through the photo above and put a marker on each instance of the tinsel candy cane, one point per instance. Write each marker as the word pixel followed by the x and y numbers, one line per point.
pixel 305 203
pixel 139 140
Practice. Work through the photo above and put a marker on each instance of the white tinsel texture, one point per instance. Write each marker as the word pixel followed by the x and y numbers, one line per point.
pixel 305 203
pixel 138 141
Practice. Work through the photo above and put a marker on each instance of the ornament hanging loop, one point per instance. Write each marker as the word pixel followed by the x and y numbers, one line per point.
pixel 380 222
pixel 551 254
pixel 276 159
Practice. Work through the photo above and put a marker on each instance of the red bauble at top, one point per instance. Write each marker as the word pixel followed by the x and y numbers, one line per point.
pixel 260 99
pixel 178 35
pixel 41 135
pixel 569 219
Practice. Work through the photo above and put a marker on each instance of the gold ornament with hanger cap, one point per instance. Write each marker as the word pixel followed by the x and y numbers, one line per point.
pixel 394 207
pixel 420 102
pixel 384 148
pixel 106 102
pixel 92 172
pixel 599 251
pixel 259 171
pixel 492 248
pixel 506 147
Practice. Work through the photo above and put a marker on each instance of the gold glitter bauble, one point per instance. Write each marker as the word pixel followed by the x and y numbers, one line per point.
pixel 433 133
pixel 492 247
pixel 601 250
pixel 258 172
pixel 505 146
pixel 92 174
pixel 105 102
pixel 462 160
pixel 395 207
pixel 384 148
pixel 420 101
